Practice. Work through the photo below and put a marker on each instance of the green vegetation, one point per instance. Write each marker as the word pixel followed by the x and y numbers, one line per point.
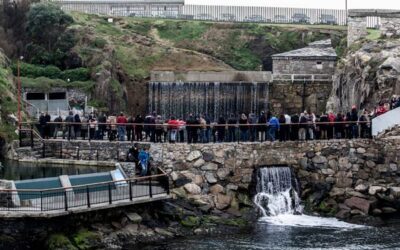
pixel 191 221
pixel 185 30
pixel 85 239
pixel 52 72
pixel 59 241
pixel 44 83
pixel 373 34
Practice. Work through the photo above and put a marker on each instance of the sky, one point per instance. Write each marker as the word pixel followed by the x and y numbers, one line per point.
pixel 317 4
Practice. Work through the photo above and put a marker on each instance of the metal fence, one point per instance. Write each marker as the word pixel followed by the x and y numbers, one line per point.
pixel 253 14
pixel 85 196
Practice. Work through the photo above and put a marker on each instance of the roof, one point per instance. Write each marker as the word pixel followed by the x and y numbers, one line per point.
pixel 316 50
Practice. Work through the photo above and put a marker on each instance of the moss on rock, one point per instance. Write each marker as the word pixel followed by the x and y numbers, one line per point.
pixel 59 242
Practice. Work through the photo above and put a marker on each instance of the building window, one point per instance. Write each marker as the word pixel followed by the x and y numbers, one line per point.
pixel 57 96
pixel 319 65
pixel 35 96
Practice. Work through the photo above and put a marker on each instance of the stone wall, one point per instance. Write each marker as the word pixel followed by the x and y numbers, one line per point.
pixel 390 27
pixel 288 98
pixel 357 29
pixel 294 66
pixel 349 179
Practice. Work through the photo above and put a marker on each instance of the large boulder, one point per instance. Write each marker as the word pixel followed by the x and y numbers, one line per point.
pixel 222 201
pixel 192 188
pixel 210 167
pixel 358 203
pixel 210 177
pixel 194 155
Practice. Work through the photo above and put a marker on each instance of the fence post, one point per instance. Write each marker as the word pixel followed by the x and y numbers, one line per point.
pixel 150 189
pixel 88 196
pixel 65 200
pixel 130 191
pixel 61 150
pixel 41 200
pixel 31 135
pixel 44 150
pixel 109 193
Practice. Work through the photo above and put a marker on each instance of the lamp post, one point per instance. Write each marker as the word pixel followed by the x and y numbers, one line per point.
pixel 19 91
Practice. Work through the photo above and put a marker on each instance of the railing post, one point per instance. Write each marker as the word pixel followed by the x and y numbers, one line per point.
pixel 44 150
pixel 130 191
pixel 109 193
pixel 41 200
pixel 88 196
pixel 65 200
pixel 61 151
pixel 150 189
pixel 31 135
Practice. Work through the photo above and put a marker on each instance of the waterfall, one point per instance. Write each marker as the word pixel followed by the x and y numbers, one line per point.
pixel 212 98
pixel 277 192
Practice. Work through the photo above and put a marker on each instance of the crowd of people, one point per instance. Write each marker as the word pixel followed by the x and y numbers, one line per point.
pixel 201 129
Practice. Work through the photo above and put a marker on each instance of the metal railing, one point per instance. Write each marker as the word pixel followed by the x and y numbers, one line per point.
pixel 302 77
pixel 161 133
pixel 85 196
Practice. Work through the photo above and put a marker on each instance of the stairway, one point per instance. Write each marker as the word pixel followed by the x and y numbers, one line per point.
pixel 386 121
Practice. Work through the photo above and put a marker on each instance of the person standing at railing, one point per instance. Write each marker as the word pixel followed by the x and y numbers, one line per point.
pixel 294 127
pixel 274 126
pixel 221 129
pixel 339 126
pixel 129 128
pixel 331 127
pixel 365 124
pixel 139 128
pixel 354 122
pixel 191 129
pixel 253 128
pixel 47 118
pixel 282 131
pixel 323 127
pixel 84 127
pixel 121 123
pixel 69 120
pixel 232 122
pixel 243 127
pixel 203 129
pixel 288 126
pixel 302 127
pixel 311 126
pixel 92 127
pixel 173 126
pixel 102 119
pixel 159 128
pixel 57 126
pixel 262 126
pixel 77 126
pixel 42 124
pixel 181 130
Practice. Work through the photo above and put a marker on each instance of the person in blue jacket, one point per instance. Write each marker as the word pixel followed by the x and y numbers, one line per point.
pixel 273 127
pixel 144 157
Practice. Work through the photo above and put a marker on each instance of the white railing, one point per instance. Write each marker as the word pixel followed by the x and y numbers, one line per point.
pixel 302 77
pixel 385 121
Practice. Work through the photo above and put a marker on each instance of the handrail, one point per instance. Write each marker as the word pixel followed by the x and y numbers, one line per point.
pixel 84 185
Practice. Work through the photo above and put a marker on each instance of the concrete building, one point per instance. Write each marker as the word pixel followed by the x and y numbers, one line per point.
pixel 318 58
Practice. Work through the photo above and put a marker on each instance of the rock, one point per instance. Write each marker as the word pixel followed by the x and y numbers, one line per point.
pixel 351 192
pixel 246 178
pixel 163 232
pixel 395 191
pixel 333 165
pixel 134 218
pixel 244 199
pixel 343 214
pixel 131 228
pixel 210 177
pixel 117 225
pixel 208 156
pixel 370 164
pixel 376 211
pixel 198 180
pixel 234 212
pixel 194 155
pixel 222 201
pixel 342 181
pixel 319 159
pixel 327 171
pixel 232 187
pixel 192 188
pixel 180 192
pixel 182 180
pixel 357 212
pixel 344 163
pixel 337 192
pixel 310 154
pixel 174 176
pixel 361 188
pixel 358 203
pixel 376 189
pixel 382 168
pixel 361 150
pixel 388 210
pixel 392 167
pixel 210 167
pixel 199 163
pixel 222 173
pixel 215 189
pixel 304 163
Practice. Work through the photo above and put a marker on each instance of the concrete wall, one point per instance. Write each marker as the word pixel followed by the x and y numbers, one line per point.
pixel 296 66
pixel 197 76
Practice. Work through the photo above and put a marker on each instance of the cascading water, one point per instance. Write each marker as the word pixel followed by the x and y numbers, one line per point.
pixel 276 193
pixel 212 98
pixel 279 203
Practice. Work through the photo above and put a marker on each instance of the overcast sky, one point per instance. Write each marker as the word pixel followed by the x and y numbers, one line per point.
pixel 328 4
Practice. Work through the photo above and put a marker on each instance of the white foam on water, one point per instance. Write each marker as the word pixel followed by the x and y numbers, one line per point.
pixel 307 221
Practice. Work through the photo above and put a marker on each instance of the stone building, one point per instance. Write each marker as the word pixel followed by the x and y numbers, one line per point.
pixel 318 58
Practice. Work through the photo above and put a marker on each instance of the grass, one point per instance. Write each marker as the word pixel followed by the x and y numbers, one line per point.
pixel 185 30
pixel 44 83
pixel 373 34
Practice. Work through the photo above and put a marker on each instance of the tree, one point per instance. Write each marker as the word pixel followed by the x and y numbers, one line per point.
pixel 46 22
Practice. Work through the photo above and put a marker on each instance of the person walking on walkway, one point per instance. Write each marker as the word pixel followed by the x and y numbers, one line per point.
pixel 144 158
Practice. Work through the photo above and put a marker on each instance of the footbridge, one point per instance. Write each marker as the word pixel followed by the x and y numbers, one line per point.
pixel 63 195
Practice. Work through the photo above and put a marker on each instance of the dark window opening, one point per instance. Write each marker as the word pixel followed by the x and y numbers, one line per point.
pixel 35 96
pixel 57 96
pixel 319 63
pixel 165 7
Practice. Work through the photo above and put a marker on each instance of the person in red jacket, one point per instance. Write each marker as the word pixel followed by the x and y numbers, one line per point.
pixel 381 109
pixel 173 126
pixel 331 118
pixel 121 123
